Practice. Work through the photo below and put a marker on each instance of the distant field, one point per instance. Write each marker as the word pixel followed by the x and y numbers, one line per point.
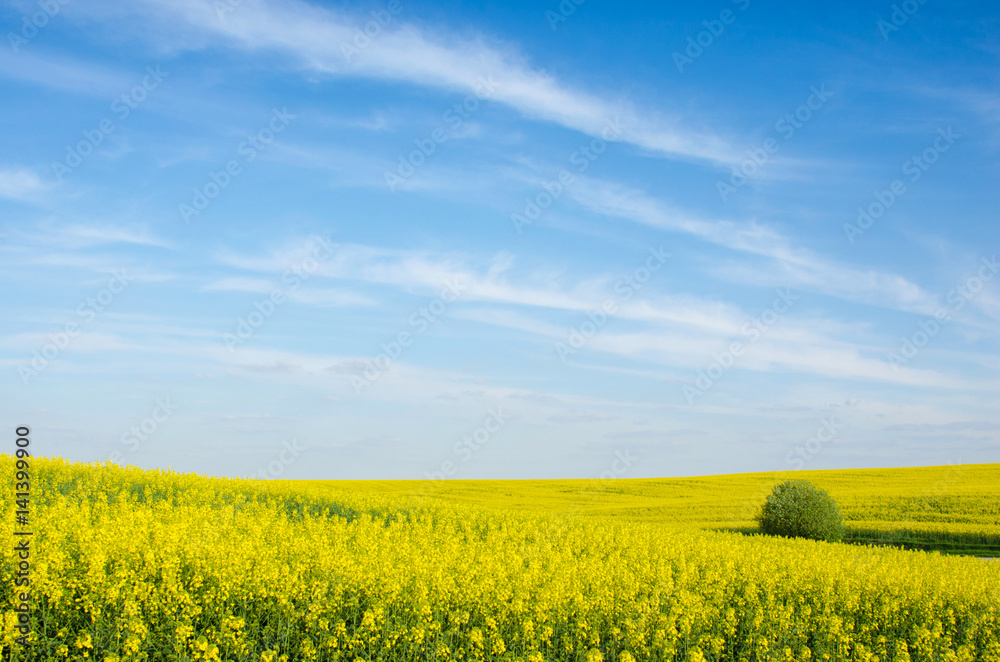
pixel 129 565
pixel 948 508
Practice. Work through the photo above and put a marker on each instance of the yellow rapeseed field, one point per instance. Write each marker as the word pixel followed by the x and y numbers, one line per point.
pixel 147 565
pixel 947 498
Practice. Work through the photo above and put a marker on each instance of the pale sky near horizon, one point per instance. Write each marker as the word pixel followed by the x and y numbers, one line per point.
pixel 501 240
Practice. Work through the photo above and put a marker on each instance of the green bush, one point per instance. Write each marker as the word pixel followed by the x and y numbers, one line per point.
pixel 797 508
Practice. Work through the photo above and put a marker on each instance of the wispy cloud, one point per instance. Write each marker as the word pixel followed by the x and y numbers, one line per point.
pixel 315 37
pixel 64 74
pixel 20 184
pixel 790 265
pixel 96 235
pixel 323 297
pixel 255 285
pixel 673 329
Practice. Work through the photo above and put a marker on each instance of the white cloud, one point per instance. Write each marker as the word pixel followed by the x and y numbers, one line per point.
pixel 315 38
pixel 324 297
pixel 19 184
pixel 329 297
pixel 790 266
pixel 674 330
pixel 63 74
pixel 93 235
pixel 255 285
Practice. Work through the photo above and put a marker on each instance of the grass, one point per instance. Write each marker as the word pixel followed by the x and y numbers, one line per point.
pixel 945 542
pixel 973 544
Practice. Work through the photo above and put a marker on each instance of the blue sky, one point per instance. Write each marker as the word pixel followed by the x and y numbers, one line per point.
pixel 501 240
